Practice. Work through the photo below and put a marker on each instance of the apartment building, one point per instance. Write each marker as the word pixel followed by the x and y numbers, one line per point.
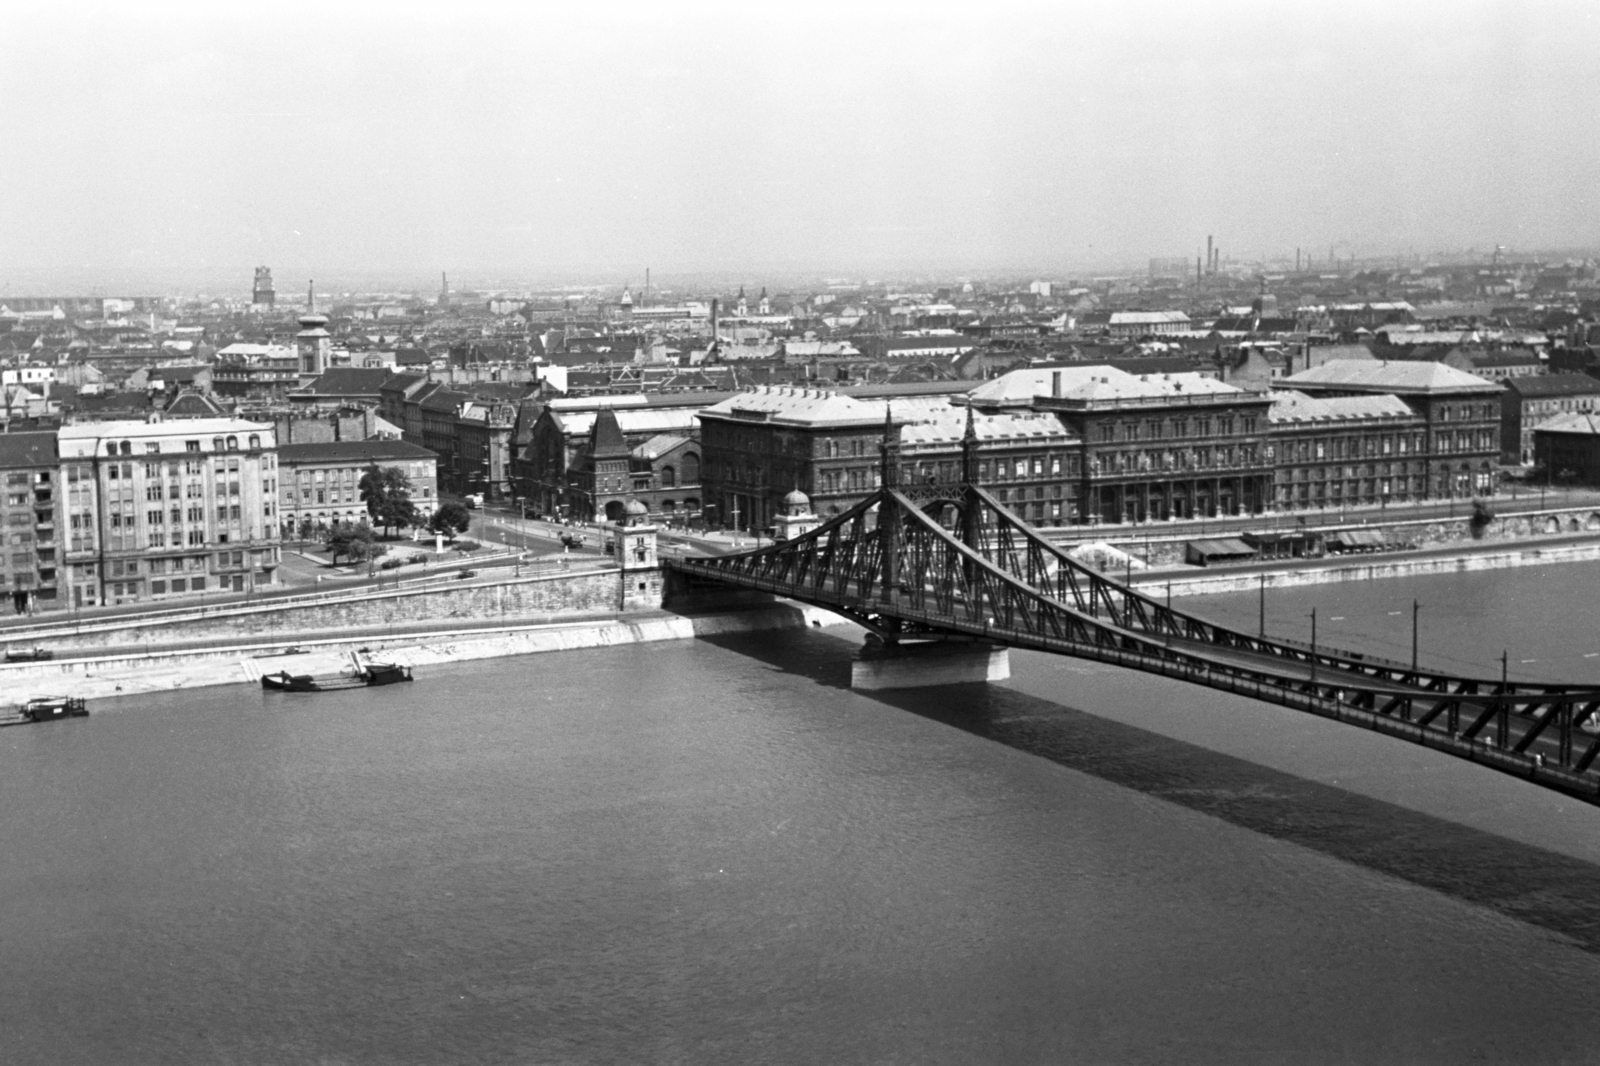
pixel 29 521
pixel 320 484
pixel 157 510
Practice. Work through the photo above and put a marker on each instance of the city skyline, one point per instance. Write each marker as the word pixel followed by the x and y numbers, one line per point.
pixel 188 144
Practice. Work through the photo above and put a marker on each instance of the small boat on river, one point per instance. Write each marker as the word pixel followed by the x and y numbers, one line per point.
pixel 311 675
pixel 46 709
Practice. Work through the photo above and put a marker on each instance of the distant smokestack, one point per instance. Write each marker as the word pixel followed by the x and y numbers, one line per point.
pixel 1297 260
pixel 1211 263
pixel 713 316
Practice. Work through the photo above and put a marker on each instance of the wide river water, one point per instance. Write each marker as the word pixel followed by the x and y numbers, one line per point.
pixel 715 852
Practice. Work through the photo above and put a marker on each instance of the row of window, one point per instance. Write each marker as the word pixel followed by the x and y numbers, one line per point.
pixel 1177 428
pixel 1466 412
pixel 229 443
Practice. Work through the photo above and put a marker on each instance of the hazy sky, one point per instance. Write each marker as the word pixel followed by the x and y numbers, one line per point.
pixel 500 141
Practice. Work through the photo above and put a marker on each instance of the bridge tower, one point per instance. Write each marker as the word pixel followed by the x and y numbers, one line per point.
pixel 890 661
pixel 888 520
pixel 639 568
pixel 797 519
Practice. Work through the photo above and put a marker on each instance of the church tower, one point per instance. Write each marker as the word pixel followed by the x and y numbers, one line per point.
pixel 261 295
pixel 314 342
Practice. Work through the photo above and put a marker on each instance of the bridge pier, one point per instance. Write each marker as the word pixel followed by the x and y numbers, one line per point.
pixel 927 664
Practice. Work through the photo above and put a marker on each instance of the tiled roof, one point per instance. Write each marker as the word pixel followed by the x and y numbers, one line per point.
pixel 797 405
pixel 659 445
pixel 27 449
pixel 1555 385
pixel 634 421
pixel 1390 376
pixel 1291 406
pixel 1148 318
pixel 988 428
pixel 1575 422
pixel 352 451
pixel 1091 382
pixel 348 380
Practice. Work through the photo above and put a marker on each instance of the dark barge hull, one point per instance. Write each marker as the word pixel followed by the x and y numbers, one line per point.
pixel 376 674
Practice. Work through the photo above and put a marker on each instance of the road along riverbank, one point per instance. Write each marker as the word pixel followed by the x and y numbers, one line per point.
pixel 1444 560
pixel 126 672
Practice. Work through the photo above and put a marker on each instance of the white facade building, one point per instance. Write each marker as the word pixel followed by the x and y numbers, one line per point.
pixel 161 509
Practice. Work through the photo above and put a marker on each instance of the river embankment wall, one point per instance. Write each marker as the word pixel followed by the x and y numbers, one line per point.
pixel 130 672
pixel 535 599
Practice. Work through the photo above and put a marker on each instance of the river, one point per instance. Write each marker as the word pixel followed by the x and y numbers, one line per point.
pixel 714 852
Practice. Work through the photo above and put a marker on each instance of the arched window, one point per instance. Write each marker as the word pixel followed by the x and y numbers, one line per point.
pixel 255 441
pixel 233 444
pixel 216 444
pixel 691 468
pixel 669 477
pixel 111 447
pixel 127 448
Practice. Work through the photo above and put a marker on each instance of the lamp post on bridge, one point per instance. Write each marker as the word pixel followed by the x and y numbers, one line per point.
pixel 1313 646
pixel 1262 609
pixel 1416 606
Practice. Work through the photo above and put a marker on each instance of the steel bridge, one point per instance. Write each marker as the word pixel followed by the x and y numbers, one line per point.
pixel 950 562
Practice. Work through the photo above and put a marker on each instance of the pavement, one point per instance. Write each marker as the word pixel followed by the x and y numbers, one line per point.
pixel 1287 521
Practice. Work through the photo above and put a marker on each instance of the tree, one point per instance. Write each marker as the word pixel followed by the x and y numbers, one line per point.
pixel 387 493
pixel 348 538
pixel 450 519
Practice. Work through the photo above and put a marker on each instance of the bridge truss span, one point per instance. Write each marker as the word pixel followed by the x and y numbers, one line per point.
pixel 951 562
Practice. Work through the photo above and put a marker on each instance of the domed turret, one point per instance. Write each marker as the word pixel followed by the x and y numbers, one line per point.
pixel 797 503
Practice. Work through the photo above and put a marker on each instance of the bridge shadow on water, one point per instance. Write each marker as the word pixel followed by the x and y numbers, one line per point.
pixel 1554 892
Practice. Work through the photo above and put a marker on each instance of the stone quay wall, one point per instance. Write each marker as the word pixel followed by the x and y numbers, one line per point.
pixel 541 598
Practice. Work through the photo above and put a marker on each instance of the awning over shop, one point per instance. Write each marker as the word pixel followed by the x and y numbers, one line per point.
pixel 1203 552
pixel 1273 538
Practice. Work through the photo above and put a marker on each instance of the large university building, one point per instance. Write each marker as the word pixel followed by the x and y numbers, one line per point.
pixel 1089 444
pixel 162 509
